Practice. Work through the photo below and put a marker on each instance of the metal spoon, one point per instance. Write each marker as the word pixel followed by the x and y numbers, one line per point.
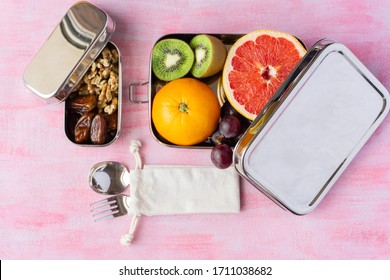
pixel 109 177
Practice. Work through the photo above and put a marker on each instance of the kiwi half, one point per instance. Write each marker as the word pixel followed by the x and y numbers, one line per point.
pixel 171 59
pixel 210 55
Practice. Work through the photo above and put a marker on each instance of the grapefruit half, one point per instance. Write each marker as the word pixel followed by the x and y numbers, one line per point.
pixel 256 65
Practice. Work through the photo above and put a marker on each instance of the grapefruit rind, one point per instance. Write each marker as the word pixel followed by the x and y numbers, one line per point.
pixel 270 90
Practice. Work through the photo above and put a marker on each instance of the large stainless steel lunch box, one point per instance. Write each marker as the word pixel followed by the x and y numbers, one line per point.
pixel 59 66
pixel 317 121
pixel 310 130
pixel 154 84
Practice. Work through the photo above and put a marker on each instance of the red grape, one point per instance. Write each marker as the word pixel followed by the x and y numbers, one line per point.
pixel 222 156
pixel 217 138
pixel 230 126
pixel 227 109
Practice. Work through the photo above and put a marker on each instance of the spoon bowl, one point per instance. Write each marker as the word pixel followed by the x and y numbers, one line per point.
pixel 109 177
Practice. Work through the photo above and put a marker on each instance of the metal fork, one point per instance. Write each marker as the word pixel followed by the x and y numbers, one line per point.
pixel 109 208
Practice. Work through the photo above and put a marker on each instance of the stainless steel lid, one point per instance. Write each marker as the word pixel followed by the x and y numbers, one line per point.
pixel 310 131
pixel 68 52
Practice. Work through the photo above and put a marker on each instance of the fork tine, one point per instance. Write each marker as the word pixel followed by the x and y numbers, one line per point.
pixel 110 205
pixel 103 201
pixel 108 211
pixel 108 217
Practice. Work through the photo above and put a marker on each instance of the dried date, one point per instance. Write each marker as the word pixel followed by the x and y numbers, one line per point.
pixel 83 127
pixel 111 122
pixel 98 130
pixel 83 103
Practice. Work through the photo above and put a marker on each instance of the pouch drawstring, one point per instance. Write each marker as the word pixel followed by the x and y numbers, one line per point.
pixel 134 149
pixel 127 238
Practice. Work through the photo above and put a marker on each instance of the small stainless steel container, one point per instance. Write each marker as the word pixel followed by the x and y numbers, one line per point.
pixel 59 66
pixel 317 121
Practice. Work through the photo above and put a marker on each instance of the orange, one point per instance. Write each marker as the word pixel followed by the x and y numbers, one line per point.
pixel 255 67
pixel 185 111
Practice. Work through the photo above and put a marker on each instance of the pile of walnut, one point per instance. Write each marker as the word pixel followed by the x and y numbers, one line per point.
pixel 95 102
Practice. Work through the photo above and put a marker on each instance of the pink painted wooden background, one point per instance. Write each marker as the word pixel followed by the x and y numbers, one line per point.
pixel 44 194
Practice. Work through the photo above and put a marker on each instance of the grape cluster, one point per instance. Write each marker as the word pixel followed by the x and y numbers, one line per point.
pixel 231 127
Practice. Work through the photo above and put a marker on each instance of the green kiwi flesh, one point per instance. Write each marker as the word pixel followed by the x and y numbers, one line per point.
pixel 171 59
pixel 210 54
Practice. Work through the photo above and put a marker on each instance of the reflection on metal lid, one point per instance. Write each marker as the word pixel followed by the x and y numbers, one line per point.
pixel 327 113
pixel 68 52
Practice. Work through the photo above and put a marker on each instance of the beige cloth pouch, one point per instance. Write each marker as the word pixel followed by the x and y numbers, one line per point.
pixel 172 190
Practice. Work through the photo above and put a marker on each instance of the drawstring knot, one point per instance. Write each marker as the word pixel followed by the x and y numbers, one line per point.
pixel 127 238
pixel 134 149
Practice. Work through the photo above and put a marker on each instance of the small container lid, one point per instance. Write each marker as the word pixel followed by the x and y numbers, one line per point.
pixel 312 128
pixel 68 52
